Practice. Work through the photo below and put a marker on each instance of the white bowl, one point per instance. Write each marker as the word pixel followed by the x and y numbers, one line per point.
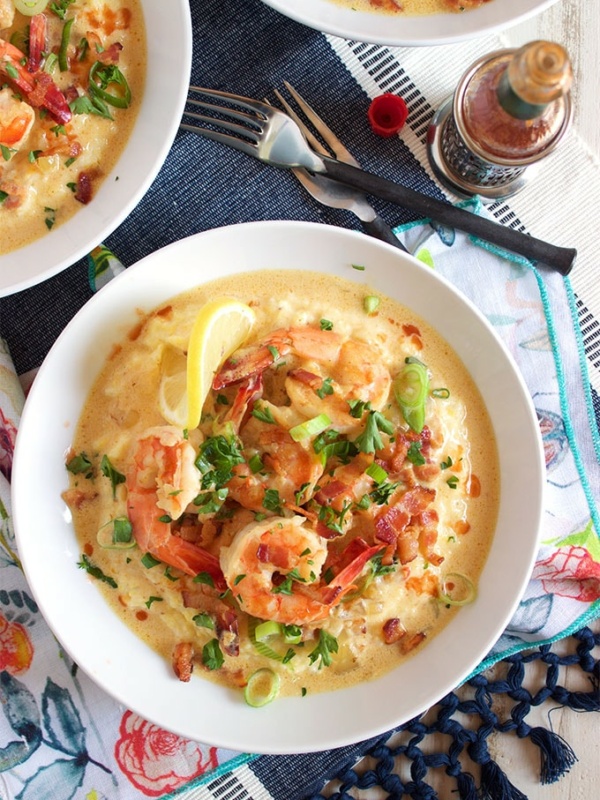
pixel 110 653
pixel 360 26
pixel 169 46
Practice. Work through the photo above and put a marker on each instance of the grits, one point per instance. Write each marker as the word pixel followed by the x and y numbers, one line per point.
pixel 411 7
pixel 383 598
pixel 59 139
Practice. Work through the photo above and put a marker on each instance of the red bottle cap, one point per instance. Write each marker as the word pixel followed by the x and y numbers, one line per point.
pixel 387 114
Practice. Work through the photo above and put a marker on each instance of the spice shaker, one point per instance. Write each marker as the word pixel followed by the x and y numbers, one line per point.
pixel 510 110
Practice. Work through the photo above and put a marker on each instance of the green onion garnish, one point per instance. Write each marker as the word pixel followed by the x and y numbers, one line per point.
pixel 312 427
pixel 457 590
pixel 262 687
pixel 371 304
pixel 410 390
pixel 376 472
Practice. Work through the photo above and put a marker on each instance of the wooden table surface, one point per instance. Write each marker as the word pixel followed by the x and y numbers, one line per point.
pixel 576 25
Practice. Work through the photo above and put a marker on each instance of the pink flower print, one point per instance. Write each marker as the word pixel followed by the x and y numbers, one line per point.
pixel 156 761
pixel 8 435
pixel 570 572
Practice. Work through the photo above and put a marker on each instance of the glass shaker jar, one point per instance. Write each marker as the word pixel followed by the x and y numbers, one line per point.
pixel 510 110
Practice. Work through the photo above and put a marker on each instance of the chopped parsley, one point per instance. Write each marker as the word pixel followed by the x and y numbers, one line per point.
pixel 212 657
pixel 452 482
pixel 414 454
pixel 369 440
pixel 81 465
pixel 115 477
pixel 204 620
pixel 153 599
pixel 325 389
pixel 263 414
pixel 95 571
pixel 217 457
pixel 327 645
pixel 326 325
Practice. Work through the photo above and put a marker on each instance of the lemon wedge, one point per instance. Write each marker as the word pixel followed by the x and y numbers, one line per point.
pixel 222 325
pixel 172 391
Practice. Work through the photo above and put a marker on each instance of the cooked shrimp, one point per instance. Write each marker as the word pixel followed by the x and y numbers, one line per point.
pixel 273 569
pixel 162 481
pixel 330 371
pixel 16 119
pixel 289 467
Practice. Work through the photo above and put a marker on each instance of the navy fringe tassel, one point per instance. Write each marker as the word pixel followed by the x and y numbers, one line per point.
pixel 468 737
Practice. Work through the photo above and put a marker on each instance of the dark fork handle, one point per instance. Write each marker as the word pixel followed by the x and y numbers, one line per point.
pixel 560 259
pixel 381 230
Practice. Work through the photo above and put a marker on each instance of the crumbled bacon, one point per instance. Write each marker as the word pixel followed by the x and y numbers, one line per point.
pixel 83 192
pixel 393 630
pixel 183 654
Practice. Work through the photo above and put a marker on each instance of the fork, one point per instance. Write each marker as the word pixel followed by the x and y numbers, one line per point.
pixel 324 190
pixel 273 137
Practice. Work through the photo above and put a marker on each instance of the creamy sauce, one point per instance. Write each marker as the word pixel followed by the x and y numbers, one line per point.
pixel 123 404
pixel 410 8
pixel 48 174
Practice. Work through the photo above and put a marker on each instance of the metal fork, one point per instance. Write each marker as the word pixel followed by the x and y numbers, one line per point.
pixel 324 190
pixel 273 137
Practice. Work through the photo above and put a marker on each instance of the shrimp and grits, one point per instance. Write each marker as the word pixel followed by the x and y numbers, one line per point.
pixel 71 81
pixel 329 514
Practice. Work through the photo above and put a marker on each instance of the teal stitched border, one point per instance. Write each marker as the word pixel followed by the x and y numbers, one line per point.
pixel 226 766
pixel 583 363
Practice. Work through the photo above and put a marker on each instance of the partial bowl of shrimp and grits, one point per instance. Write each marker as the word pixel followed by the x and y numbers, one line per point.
pixel 289 484
pixel 91 92
pixel 409 23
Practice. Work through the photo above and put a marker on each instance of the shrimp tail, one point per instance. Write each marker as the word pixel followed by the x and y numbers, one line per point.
pixel 252 360
pixel 191 559
pixel 343 582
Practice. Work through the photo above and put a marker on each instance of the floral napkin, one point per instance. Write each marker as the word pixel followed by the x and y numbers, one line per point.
pixel 62 737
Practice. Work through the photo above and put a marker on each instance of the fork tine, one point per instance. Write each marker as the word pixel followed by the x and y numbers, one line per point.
pixel 328 135
pixel 233 141
pixel 245 102
pixel 308 134
pixel 254 121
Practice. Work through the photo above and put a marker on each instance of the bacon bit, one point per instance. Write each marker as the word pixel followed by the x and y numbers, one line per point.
pixel 228 632
pixel 37 41
pixel 391 522
pixel 330 491
pixel 416 342
pixel 325 532
pixel 393 630
pixel 413 641
pixel 75 498
pixel 461 527
pixel 183 654
pixel 474 486
pixel 278 555
pixel 407 545
pixel 427 472
pixel 111 54
pixel 83 193
pixel 424 584
pixel 427 540
pixel 88 549
pixel 142 616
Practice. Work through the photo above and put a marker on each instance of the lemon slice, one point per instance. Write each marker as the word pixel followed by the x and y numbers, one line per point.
pixel 222 325
pixel 172 392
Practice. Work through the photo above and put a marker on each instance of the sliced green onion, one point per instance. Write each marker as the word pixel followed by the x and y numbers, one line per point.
pixel 262 687
pixel 457 590
pixel 266 629
pixel 411 386
pixel 101 77
pixel 30 7
pixel 292 634
pixel 376 472
pixel 63 61
pixel 441 394
pixel 116 534
pixel 260 647
pixel 311 427
pixel 371 304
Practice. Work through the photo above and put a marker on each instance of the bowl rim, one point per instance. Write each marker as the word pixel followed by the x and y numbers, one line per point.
pixel 447 666
pixel 89 226
pixel 327 17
